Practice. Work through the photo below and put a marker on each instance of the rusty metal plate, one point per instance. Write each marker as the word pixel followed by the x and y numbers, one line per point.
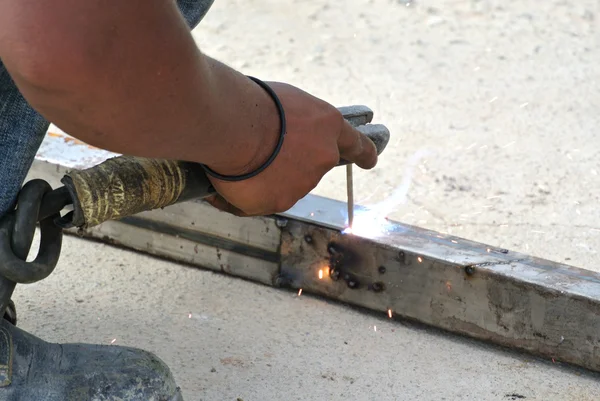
pixel 506 298
pixel 191 247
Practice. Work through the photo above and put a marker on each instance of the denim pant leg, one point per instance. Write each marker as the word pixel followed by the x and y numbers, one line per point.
pixel 22 129
pixel 194 10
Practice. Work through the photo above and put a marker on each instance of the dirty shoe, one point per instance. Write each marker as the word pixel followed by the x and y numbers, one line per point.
pixel 34 370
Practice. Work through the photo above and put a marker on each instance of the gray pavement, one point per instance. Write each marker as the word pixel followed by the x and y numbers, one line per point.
pixel 505 97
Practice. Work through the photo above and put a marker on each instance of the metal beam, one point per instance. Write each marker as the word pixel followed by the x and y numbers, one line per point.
pixel 545 308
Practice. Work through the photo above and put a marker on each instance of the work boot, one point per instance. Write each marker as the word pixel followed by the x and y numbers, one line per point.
pixel 32 369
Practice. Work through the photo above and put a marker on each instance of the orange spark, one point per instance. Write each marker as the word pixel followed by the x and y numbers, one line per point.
pixel 390 313
pixel 300 292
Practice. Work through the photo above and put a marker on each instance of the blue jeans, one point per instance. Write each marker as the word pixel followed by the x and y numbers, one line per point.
pixel 22 129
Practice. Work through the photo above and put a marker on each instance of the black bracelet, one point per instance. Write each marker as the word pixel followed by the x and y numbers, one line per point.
pixel 275 152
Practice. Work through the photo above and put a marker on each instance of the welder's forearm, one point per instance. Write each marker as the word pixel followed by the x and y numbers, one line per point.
pixel 138 85
pixel 205 112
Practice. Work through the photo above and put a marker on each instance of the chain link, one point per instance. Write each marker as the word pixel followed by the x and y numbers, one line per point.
pixel 36 203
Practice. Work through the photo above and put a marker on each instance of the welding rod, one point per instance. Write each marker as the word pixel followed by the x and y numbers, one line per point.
pixel 350 194
pixel 124 186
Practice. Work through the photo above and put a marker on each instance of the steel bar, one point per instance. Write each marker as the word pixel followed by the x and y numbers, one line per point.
pixel 545 308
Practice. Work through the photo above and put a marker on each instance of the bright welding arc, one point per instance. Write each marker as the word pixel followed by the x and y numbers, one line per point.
pixel 373 222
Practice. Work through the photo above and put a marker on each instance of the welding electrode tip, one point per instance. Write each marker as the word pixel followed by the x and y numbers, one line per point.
pixel 350 193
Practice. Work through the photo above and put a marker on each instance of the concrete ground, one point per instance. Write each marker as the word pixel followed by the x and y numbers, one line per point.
pixel 227 339
pixel 503 96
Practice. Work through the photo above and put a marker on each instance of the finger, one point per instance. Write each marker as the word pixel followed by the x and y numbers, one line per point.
pixel 220 203
pixel 356 147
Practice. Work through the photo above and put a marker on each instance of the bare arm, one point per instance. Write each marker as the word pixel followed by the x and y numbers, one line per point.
pixel 127 76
